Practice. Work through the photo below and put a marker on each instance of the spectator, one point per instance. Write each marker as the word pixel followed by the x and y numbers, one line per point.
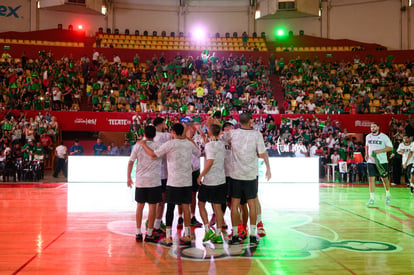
pixel 99 148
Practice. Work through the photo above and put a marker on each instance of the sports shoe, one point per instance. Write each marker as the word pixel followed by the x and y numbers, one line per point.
pixel 212 220
pixel 138 237
pixel 234 240
pixel 163 226
pixel 217 238
pixel 371 202
pixel 159 233
pixel 243 232
pixel 209 235
pixel 186 240
pixel 167 242
pixel 260 230
pixel 151 239
pixel 195 223
pixel 254 240
pixel 388 200
pixel 412 189
pixel 180 223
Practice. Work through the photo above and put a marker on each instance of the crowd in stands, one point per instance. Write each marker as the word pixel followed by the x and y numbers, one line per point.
pixel 184 84
pixel 27 139
pixel 357 87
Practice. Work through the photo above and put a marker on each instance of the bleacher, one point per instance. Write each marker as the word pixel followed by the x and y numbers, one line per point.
pixel 123 41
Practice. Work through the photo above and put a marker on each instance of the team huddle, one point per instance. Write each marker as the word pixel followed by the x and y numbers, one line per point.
pixel 168 172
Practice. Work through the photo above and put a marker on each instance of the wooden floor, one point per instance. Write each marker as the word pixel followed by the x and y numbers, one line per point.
pixel 341 236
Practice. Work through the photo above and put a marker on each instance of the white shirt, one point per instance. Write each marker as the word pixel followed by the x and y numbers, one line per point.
pixel 161 138
pixel 245 145
pixel 335 158
pixel 228 163
pixel 377 142
pixel 148 169
pixel 196 159
pixel 405 150
pixel 298 148
pixel 179 153
pixel 61 151
pixel 215 150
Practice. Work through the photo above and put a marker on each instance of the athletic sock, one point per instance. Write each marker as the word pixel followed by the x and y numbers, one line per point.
pixel 168 232
pixel 149 232
pixel 252 230
pixel 187 231
pixel 157 223
pixel 235 231
pixel 206 227
pixel 372 196
pixel 387 193
pixel 259 218
pixel 139 231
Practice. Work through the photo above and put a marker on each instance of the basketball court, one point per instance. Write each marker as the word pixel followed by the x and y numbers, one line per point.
pixel 41 234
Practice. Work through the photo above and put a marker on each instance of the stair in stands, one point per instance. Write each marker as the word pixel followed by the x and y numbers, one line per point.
pixel 278 93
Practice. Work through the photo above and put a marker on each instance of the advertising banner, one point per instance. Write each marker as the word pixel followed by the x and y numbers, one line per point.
pixel 121 122
pixel 14 15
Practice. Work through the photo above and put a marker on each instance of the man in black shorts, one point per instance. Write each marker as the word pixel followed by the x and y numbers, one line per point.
pixel 147 183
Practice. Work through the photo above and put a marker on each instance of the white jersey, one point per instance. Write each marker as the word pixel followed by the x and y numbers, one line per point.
pixel 228 160
pixel 377 142
pixel 148 169
pixel 196 159
pixel 161 138
pixel 246 144
pixel 405 150
pixel 179 153
pixel 215 150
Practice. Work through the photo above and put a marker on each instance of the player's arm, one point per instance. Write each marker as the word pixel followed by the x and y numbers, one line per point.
pixel 129 171
pixel 147 149
pixel 207 166
pixel 265 157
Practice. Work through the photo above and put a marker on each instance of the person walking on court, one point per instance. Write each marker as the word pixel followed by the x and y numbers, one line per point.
pixel 377 145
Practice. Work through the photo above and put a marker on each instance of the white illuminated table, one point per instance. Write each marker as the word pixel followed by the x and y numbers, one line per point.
pixel 99 184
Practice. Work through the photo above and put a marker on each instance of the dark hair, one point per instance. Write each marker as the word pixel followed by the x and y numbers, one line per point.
pixel 245 118
pixel 215 129
pixel 157 121
pixel 375 123
pixel 226 124
pixel 76 140
pixel 150 131
pixel 178 129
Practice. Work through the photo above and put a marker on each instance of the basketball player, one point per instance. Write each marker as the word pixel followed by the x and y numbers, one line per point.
pixel 408 159
pixel 247 145
pixel 161 137
pixel 214 187
pixel 179 153
pixel 147 183
pixel 379 144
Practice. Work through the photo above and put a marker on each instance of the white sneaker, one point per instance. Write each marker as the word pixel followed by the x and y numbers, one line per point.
pixel 371 202
pixel 388 200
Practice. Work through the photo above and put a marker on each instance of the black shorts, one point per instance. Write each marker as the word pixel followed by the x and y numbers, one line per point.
pixel 229 193
pixel 213 194
pixel 373 170
pixel 195 175
pixel 148 194
pixel 163 185
pixel 178 195
pixel 244 188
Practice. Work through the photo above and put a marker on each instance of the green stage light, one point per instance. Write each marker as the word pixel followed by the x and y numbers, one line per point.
pixel 280 32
